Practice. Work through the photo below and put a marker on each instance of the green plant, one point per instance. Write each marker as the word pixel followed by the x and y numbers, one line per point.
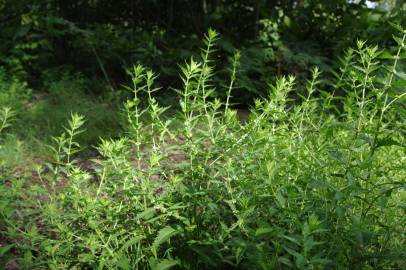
pixel 6 116
pixel 11 148
pixel 314 183
pixel 66 146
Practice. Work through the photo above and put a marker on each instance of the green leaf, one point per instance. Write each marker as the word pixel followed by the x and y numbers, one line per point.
pixel 401 75
pixel 164 235
pixel 310 243
pixel 263 231
pixel 287 21
pixel 5 249
pixel 300 261
pixel 387 142
pixel 398 41
pixel 281 200
pixel 337 156
pixel 396 26
pixel 86 257
pixel 162 264
pixel 147 214
pixel 293 240
pixel 386 55
pixel 319 260
pixel 133 241
pixel 285 261
pixel 399 83
pixel 123 263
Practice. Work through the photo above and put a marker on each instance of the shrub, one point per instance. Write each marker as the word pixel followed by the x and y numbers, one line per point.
pixel 315 184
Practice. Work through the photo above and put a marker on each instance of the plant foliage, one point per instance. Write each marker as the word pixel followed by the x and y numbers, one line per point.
pixel 315 183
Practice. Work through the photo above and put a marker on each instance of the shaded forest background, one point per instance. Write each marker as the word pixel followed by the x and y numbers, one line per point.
pixel 101 39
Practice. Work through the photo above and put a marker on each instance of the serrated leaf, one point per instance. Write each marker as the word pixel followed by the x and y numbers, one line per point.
pixel 123 263
pixel 396 26
pixel 162 264
pixel 132 241
pixel 147 214
pixel 281 200
pixel 263 231
pixel 164 235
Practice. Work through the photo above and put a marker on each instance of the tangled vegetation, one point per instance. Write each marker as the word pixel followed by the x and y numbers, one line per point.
pixel 309 181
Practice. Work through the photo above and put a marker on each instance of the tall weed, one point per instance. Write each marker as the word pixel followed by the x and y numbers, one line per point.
pixel 314 184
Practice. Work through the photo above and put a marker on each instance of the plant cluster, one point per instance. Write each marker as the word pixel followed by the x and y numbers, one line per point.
pixel 310 184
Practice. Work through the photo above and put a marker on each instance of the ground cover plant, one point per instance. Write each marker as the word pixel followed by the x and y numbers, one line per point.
pixel 314 183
